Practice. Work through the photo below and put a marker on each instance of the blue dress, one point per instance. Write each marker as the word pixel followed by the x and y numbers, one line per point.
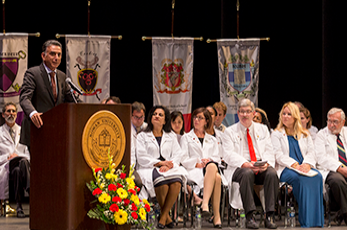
pixel 308 191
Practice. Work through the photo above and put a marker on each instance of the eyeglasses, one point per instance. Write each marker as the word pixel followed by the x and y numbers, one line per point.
pixel 198 117
pixel 245 112
pixel 138 118
pixel 335 122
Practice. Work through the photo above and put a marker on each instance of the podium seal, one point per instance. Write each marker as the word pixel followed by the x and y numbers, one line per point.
pixel 103 132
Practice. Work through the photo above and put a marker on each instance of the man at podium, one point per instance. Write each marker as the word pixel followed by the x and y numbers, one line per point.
pixel 43 88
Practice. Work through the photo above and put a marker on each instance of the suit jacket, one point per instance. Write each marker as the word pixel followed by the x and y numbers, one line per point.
pixel 281 148
pixel 7 147
pixel 36 94
pixel 326 150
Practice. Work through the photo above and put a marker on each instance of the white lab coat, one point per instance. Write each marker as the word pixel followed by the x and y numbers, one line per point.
pixel 133 143
pixel 326 150
pixel 233 155
pixel 281 149
pixel 148 152
pixel 193 152
pixel 7 147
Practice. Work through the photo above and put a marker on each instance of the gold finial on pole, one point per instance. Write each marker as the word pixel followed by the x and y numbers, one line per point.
pixel 89 1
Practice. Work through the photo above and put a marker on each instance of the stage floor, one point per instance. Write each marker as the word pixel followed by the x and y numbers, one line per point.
pixel 13 223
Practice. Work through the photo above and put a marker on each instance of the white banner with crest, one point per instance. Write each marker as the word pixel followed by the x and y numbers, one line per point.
pixel 13 64
pixel 238 63
pixel 88 65
pixel 173 75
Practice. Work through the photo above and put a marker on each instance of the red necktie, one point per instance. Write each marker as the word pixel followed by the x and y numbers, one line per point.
pixel 250 147
pixel 54 86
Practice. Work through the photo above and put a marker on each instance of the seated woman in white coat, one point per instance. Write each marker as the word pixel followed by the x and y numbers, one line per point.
pixel 158 156
pixel 201 160
pixel 294 148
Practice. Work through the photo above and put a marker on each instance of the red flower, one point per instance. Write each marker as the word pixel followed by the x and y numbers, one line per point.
pixel 132 191
pixel 123 175
pixel 116 199
pixel 97 170
pixel 112 187
pixel 134 215
pixel 126 202
pixel 97 191
pixel 133 207
pixel 119 185
pixel 147 207
pixel 114 208
pixel 137 189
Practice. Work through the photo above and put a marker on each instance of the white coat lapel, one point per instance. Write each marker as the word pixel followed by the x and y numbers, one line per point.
pixel 332 142
pixel 197 143
pixel 153 139
pixel 240 137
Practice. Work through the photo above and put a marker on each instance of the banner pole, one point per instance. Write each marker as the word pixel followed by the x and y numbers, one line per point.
pixel 215 40
pixel 238 19
pixel 144 38
pixel 89 17
pixel 172 17
pixel 3 17
pixel 119 37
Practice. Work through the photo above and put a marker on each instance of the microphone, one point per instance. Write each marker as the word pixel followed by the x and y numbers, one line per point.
pixel 73 86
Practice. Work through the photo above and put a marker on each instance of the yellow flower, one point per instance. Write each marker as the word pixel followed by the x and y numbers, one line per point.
pixel 121 217
pixel 102 185
pixel 142 213
pixel 104 198
pixel 135 199
pixel 145 201
pixel 108 176
pixel 122 193
pixel 130 182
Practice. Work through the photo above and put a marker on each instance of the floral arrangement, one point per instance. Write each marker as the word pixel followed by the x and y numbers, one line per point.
pixel 118 201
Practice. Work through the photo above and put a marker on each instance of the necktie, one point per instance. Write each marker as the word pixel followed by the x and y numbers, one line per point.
pixel 341 151
pixel 12 134
pixel 250 147
pixel 54 86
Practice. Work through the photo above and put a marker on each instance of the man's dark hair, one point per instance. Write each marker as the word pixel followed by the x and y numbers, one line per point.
pixel 50 43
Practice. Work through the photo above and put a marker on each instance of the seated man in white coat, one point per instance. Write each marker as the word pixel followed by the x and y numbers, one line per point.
pixel 330 145
pixel 14 159
pixel 245 143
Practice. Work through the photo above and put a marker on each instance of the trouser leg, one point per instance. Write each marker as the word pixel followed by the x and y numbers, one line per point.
pixel 245 177
pixel 338 188
pixel 270 181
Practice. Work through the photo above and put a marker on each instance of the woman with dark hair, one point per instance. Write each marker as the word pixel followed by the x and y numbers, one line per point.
pixel 158 156
pixel 177 124
pixel 306 121
pixel 261 117
pixel 201 158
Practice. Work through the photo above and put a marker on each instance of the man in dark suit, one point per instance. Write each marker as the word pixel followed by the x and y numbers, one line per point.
pixel 43 88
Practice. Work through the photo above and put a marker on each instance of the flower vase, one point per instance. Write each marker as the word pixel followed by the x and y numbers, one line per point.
pixel 117 227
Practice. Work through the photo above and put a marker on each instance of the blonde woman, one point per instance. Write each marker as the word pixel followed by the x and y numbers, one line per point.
pixel 294 148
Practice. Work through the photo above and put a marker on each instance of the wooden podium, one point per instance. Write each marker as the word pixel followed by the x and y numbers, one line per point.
pixel 59 198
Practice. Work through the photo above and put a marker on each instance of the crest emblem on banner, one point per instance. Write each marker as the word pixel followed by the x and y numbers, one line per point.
pixel 239 75
pixel 88 77
pixel 172 78
pixel 9 70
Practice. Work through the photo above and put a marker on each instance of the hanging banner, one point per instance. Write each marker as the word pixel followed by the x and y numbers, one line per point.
pixel 238 62
pixel 88 65
pixel 173 75
pixel 13 64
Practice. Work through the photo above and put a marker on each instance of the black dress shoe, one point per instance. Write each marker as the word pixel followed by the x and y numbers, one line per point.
pixel 270 222
pixel 338 219
pixel 170 225
pixel 160 226
pixel 217 226
pixel 20 214
pixel 251 224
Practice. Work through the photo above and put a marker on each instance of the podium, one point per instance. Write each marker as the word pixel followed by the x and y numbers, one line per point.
pixel 59 197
